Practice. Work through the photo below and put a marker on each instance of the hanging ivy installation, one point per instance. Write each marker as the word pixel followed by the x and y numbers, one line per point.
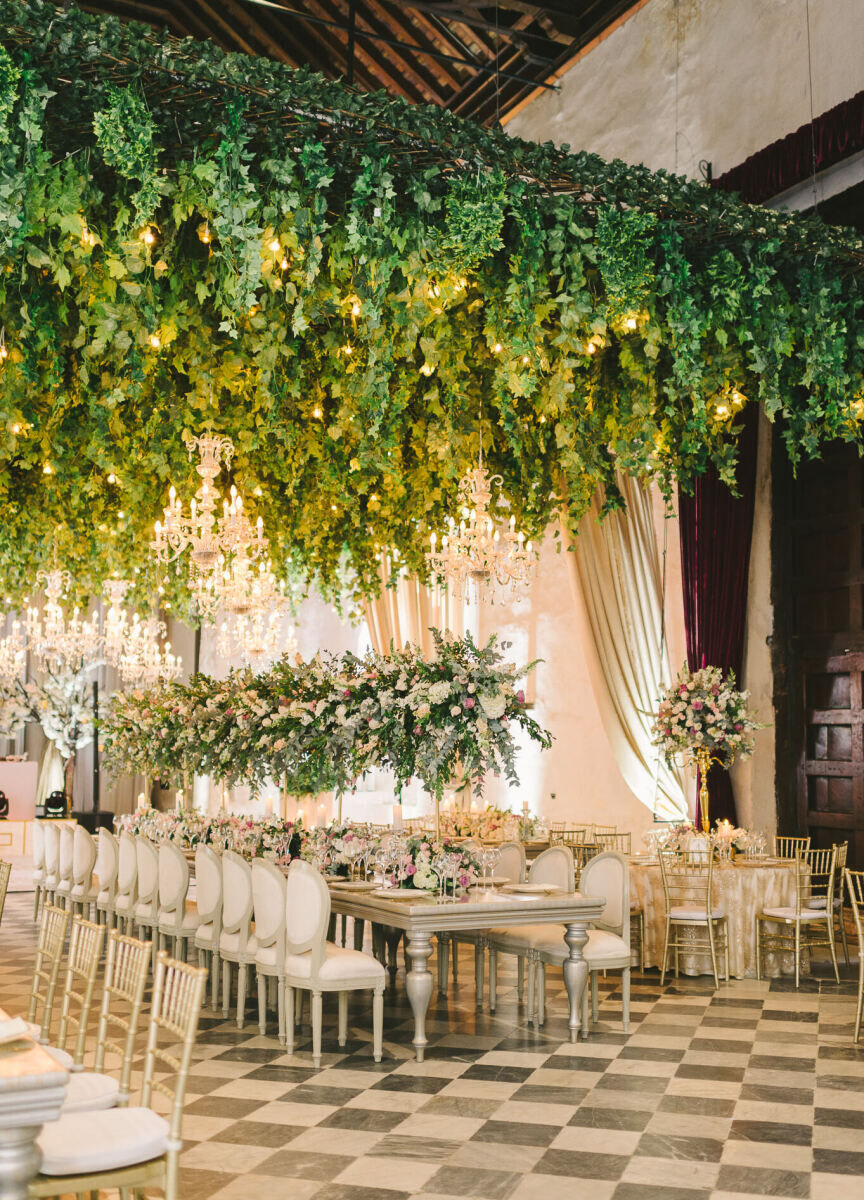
pixel 193 239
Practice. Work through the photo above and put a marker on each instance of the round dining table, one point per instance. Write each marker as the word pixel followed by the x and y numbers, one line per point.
pixel 742 888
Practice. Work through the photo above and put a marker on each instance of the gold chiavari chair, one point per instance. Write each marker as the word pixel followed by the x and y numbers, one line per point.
pixel 5 872
pixel 135 1147
pixel 620 842
pixel 576 836
pixel 688 883
pixel 126 970
pixel 855 890
pixel 53 927
pixel 601 829
pixel 815 872
pixel 840 896
pixel 85 953
pixel 790 847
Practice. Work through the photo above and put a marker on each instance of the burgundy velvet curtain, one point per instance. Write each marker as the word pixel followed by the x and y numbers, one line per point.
pixel 716 529
pixel 833 136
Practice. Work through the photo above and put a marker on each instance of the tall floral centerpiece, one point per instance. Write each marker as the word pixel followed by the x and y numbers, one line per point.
pixel 704 719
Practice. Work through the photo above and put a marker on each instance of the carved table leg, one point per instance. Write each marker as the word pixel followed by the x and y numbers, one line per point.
pixel 392 937
pixel 419 985
pixel 575 973
pixel 19 1160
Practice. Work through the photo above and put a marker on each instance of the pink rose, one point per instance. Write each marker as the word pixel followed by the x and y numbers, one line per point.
pixel 520 696
pixel 697 705
pixel 738 728
pixel 469 702
pixel 411 869
pixel 347 693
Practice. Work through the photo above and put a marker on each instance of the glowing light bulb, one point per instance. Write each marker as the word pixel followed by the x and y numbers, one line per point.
pixel 112 478
pixel 426 369
pixel 316 412
pixel 496 349
pixel 630 323
pixel 355 309
pixel 722 410
pixel 275 245
pixel 47 469
pixel 148 237
pixel 16 428
pixel 155 341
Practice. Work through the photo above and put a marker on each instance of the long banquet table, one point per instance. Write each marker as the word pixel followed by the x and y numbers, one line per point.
pixel 477 911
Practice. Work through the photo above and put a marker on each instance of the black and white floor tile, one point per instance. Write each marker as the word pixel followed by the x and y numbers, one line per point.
pixel 749 1090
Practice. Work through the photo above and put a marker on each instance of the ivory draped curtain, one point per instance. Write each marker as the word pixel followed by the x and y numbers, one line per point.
pixel 405 610
pixel 616 575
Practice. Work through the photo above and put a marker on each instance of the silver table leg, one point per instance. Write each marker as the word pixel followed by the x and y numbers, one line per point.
pixel 575 973
pixel 419 985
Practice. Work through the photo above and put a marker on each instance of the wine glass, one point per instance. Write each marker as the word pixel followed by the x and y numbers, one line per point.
pixel 440 864
pixel 489 859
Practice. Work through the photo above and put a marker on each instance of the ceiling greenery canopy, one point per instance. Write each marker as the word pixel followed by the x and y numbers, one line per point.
pixel 338 281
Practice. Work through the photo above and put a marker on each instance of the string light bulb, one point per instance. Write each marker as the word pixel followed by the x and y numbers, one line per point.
pixel 630 323
pixel 204 234
pixel 275 245
pixel 155 341
pixel 148 237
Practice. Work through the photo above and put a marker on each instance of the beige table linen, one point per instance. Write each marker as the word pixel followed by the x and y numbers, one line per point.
pixel 740 891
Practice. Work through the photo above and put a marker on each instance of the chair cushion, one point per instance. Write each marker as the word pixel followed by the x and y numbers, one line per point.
pixel 39 875
pixel 104 896
pixel 340 964
pixel 60 1056
pixel 88 1091
pixel 102 1141
pixel 693 912
pixel 204 935
pixel 123 902
pixel 51 881
pixel 145 912
pixel 602 947
pixel 84 891
pixel 188 925
pixel 265 956
pixel 525 937
pixel 65 885
pixel 230 943
pixel 789 914
pixel 817 902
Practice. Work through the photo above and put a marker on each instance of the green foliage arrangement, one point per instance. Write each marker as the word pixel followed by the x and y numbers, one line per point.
pixel 195 239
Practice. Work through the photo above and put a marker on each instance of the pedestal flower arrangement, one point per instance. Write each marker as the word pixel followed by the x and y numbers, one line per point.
pixel 704 719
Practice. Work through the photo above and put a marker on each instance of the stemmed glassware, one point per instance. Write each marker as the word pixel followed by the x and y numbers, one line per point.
pixel 441 865
pixel 489 857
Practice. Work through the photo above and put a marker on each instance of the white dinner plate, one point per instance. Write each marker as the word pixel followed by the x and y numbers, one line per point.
pixel 402 894
pixel 352 885
pixel 531 889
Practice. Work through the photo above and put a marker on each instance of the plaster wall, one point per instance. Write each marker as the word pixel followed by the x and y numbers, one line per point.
pixel 682 81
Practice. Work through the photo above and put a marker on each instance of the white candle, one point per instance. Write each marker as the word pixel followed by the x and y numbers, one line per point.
pixel 397 816
pixel 268 806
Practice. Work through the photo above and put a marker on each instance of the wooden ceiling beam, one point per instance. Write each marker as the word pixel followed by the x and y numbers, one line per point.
pixel 423 77
pixel 412 29
pixel 376 63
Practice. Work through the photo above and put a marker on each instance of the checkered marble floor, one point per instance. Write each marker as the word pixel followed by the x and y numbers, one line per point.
pixel 752 1089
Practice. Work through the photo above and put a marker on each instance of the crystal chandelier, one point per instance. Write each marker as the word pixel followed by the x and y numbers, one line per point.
pixel 478 551
pixel 243 587
pixel 58 642
pixel 116 619
pixel 255 637
pixel 207 536
pixel 144 661
pixel 13 654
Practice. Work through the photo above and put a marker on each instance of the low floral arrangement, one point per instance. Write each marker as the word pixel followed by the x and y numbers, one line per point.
pixel 270 837
pixel 703 713
pixel 414 868
pixel 336 848
pixel 492 824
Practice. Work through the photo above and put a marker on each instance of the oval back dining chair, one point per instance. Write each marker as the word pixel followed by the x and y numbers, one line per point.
pixel 126 896
pixel 268 898
pixel 208 896
pixel 315 965
pixel 67 859
pixel 608 946
pixel 147 907
pixel 38 834
pixel 51 834
pixel 107 868
pixel 178 916
pixel 84 892
pixel 554 867
pixel 235 943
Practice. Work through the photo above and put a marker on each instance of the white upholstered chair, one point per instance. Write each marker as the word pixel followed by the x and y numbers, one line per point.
pixel 315 965
pixel 126 896
pixel 178 916
pixel 107 868
pixel 268 894
pixel 38 831
pixel 510 866
pixel 51 835
pixel 608 947
pixel 67 858
pixel 208 896
pixel 84 891
pixel 553 866
pixel 146 916
pixel 132 1148
pixel 234 941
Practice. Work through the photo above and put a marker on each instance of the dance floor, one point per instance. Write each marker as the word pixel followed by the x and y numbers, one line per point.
pixel 752 1089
